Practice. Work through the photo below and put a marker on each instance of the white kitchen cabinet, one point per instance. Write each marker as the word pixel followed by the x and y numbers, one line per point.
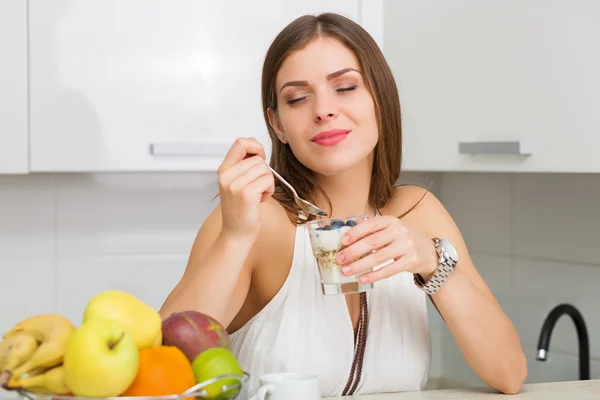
pixel 516 81
pixel 149 85
pixel 14 141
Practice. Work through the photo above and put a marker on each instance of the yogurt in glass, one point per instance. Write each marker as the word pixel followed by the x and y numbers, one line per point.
pixel 325 239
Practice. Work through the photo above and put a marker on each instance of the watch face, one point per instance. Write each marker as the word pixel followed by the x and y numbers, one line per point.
pixel 448 248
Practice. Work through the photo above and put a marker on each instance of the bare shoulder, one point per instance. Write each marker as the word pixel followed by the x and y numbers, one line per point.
pixel 421 209
pixel 424 211
pixel 272 215
pixel 415 204
pixel 276 229
pixel 273 221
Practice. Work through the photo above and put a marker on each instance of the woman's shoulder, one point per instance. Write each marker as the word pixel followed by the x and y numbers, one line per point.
pixel 274 215
pixel 275 225
pixel 417 206
pixel 407 198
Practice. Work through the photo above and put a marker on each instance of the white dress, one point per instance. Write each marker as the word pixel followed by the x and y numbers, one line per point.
pixel 302 330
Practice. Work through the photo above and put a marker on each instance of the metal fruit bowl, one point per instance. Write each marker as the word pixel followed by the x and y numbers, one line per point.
pixel 229 391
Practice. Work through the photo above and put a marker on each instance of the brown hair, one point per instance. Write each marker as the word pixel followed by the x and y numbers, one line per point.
pixel 380 83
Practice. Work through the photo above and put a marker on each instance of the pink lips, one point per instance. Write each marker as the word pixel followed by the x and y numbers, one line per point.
pixel 330 137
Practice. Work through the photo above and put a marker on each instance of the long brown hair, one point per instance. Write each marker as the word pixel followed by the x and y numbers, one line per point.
pixel 380 83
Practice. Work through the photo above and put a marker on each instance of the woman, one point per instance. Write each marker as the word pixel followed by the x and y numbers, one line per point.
pixel 251 266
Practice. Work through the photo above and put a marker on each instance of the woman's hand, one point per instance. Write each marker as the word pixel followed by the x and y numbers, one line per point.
pixel 380 239
pixel 245 181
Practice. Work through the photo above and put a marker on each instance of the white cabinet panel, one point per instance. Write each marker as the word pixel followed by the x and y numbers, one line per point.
pixel 13 87
pixel 113 79
pixel 497 71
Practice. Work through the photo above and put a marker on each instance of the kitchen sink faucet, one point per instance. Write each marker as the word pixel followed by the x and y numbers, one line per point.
pixel 582 335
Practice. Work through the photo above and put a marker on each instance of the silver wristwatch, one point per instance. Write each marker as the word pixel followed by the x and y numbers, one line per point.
pixel 448 258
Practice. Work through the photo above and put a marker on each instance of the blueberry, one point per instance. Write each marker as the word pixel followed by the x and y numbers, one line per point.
pixel 326 227
pixel 351 223
pixel 320 228
pixel 337 224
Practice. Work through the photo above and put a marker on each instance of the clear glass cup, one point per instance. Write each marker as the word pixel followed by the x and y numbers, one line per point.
pixel 325 240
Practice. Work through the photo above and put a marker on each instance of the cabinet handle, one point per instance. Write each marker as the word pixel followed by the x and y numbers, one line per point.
pixel 509 147
pixel 191 149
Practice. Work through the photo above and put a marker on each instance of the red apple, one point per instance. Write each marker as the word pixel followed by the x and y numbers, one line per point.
pixel 193 332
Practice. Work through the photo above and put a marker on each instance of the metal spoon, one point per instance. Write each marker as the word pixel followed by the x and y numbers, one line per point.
pixel 303 204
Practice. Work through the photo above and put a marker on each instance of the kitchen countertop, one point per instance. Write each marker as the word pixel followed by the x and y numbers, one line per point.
pixel 580 390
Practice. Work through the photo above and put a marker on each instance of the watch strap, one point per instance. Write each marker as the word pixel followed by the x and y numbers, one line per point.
pixel 445 267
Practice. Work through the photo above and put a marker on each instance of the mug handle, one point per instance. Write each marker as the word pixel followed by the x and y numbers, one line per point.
pixel 262 392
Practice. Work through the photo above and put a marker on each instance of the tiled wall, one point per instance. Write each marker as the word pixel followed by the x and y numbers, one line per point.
pixel 65 237
pixel 534 239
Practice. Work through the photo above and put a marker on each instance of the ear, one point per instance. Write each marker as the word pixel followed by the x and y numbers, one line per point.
pixel 276 125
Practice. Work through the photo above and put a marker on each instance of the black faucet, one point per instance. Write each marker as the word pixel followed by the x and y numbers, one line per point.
pixel 582 335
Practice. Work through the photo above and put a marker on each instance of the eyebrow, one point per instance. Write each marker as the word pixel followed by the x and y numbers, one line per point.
pixel 329 77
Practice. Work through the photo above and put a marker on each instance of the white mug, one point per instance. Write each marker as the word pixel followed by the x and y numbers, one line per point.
pixel 288 386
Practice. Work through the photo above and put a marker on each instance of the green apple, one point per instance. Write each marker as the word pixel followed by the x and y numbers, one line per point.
pixel 215 362
pixel 143 322
pixel 101 359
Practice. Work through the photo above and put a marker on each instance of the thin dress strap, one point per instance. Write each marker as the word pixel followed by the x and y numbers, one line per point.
pixel 361 343
pixel 359 351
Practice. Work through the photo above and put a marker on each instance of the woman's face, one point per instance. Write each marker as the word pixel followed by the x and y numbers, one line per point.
pixel 325 112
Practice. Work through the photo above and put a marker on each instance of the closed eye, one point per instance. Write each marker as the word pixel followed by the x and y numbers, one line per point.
pixel 292 101
pixel 346 89
pixel 340 90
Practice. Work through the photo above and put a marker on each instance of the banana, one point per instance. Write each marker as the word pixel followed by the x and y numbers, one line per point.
pixel 52 331
pixel 51 381
pixel 15 350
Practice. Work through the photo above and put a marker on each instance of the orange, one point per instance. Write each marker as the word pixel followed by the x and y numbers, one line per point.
pixel 163 370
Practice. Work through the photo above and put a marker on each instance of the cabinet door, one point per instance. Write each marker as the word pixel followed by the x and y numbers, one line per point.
pixel 151 84
pixel 497 85
pixel 14 156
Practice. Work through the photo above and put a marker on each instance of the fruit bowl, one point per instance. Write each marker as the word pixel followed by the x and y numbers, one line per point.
pixel 228 391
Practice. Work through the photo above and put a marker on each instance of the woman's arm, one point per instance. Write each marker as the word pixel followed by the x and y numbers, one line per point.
pixel 217 276
pixel 485 335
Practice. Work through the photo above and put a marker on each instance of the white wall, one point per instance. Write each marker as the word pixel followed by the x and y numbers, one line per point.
pixel 65 237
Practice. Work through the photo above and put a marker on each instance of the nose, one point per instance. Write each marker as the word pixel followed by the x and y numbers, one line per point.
pixel 325 116
pixel 325 109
